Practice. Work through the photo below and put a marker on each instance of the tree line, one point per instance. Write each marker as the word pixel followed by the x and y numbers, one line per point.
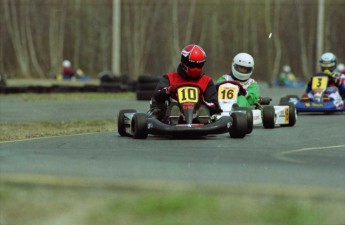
pixel 37 35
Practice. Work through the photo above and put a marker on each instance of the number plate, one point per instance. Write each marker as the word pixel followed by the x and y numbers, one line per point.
pixel 227 93
pixel 188 94
pixel 319 83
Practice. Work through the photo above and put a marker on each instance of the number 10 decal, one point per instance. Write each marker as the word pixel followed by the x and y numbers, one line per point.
pixel 188 94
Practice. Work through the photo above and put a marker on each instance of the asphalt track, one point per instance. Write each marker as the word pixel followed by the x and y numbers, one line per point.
pixel 310 154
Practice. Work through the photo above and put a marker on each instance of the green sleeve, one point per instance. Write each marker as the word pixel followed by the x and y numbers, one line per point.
pixel 253 93
pixel 221 79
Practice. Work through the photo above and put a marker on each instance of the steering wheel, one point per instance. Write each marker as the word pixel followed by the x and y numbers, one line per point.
pixel 240 86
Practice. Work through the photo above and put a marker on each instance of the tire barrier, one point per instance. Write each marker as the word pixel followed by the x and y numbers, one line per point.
pixel 3 78
pixel 103 87
pixel 145 86
pixel 108 83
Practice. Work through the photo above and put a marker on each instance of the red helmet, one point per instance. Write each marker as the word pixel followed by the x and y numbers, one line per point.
pixel 193 58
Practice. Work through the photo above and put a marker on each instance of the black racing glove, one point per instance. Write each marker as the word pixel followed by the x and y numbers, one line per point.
pixel 243 92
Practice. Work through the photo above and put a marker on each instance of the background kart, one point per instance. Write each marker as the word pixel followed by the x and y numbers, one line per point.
pixel 263 114
pixel 188 98
pixel 321 101
pixel 289 84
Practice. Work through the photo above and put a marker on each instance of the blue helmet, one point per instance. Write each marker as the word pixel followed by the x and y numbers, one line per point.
pixel 328 61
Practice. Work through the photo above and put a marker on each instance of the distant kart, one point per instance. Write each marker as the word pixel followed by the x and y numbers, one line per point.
pixel 321 101
pixel 289 84
pixel 188 98
pixel 263 114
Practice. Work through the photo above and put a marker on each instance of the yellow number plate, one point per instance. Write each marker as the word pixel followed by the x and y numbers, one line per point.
pixel 227 93
pixel 319 83
pixel 188 94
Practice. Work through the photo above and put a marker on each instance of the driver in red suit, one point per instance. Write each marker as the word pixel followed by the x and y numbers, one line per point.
pixel 193 58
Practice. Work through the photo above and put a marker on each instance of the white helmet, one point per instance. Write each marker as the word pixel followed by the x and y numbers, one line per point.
pixel 66 63
pixel 242 66
pixel 287 69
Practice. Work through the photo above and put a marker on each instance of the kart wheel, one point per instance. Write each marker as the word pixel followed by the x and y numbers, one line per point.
pixel 265 100
pixel 286 99
pixel 293 96
pixel 121 126
pixel 139 126
pixel 283 100
pixel 249 115
pixel 292 115
pixel 238 129
pixel 268 117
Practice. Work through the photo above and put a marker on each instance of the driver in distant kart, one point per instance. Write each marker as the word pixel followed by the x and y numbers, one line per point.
pixel 241 71
pixel 193 58
pixel 336 83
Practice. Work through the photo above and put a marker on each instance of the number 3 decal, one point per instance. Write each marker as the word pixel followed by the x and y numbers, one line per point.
pixel 319 82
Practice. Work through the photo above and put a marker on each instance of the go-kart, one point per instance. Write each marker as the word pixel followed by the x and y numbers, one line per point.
pixel 188 97
pixel 262 113
pixel 320 102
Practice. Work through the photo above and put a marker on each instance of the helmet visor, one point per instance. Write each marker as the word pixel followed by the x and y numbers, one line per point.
pixel 243 69
pixel 190 64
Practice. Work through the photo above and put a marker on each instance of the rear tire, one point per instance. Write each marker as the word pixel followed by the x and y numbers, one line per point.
pixel 268 117
pixel 283 100
pixel 292 115
pixel 238 129
pixel 121 126
pixel 139 126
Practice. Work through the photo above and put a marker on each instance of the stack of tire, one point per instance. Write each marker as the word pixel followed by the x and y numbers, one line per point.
pixel 146 85
pixel 113 83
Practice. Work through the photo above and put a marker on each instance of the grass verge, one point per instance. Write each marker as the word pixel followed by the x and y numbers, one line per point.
pixel 88 203
pixel 20 131
pixel 32 97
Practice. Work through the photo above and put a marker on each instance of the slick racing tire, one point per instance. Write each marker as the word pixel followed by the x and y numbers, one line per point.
pixel 292 115
pixel 268 117
pixel 139 126
pixel 238 129
pixel 249 115
pixel 121 126
pixel 285 99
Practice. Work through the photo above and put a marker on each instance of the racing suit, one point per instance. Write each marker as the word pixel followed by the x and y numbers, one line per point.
pixel 252 90
pixel 178 77
pixel 68 72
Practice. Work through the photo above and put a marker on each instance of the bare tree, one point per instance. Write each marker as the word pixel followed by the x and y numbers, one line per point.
pixel 269 29
pixel 56 33
pixel 302 40
pixel 276 39
pixel 154 31
pixel 17 34
pixel 76 33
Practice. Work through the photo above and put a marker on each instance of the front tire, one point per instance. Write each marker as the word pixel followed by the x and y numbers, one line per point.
pixel 249 115
pixel 268 117
pixel 121 126
pixel 139 126
pixel 238 129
